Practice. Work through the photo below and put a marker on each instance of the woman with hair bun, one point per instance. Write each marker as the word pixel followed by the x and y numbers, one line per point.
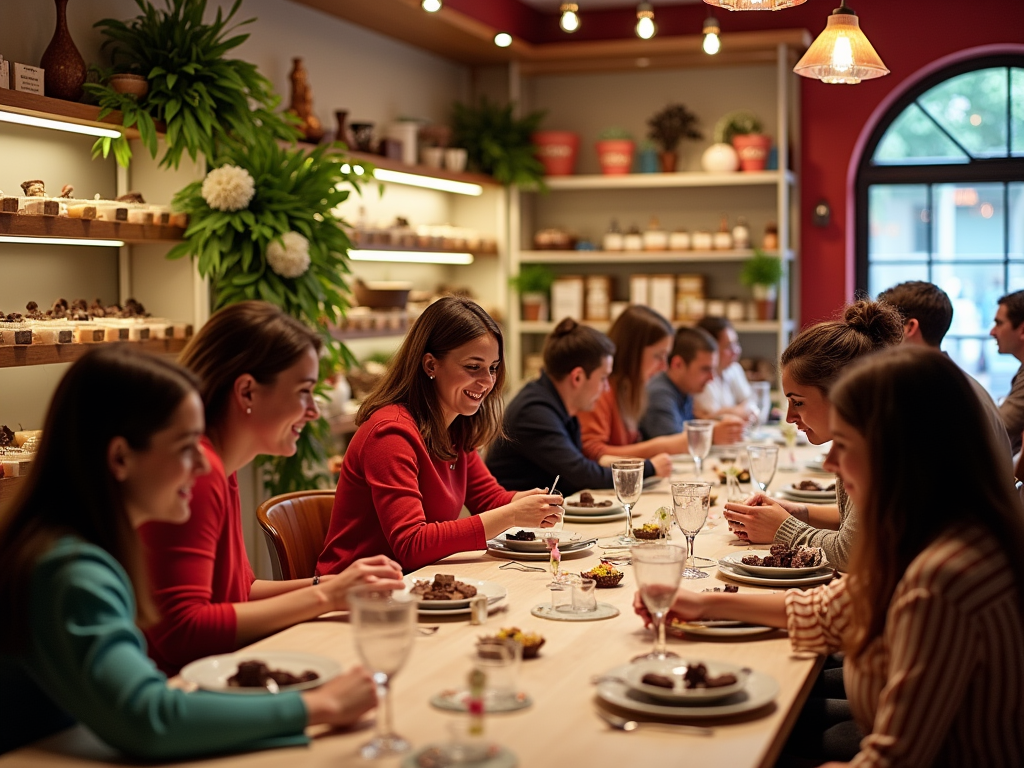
pixel 413 463
pixel 811 364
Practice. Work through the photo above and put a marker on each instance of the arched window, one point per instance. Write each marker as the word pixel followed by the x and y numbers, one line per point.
pixel 940 197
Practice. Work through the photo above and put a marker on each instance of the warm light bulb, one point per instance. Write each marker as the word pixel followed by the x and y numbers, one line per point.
pixel 842 54
pixel 431 6
pixel 570 20
pixel 645 26
pixel 503 39
pixel 712 44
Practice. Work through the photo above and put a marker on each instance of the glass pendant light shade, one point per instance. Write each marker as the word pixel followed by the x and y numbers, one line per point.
pixel 569 20
pixel 712 44
pixel 754 5
pixel 645 26
pixel 842 53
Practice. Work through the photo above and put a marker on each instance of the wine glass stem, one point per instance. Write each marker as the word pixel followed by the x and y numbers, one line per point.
pixel 690 563
pixel 385 726
pixel 700 463
pixel 659 641
pixel 629 520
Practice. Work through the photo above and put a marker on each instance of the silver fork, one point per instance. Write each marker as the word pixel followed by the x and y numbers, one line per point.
pixel 623 724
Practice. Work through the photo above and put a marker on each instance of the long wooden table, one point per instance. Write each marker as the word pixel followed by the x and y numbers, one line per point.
pixel 561 728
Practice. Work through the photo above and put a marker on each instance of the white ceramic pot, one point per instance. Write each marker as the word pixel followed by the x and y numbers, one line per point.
pixel 720 158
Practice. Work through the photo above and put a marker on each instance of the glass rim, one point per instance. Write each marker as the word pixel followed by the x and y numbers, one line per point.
pixel 638 552
pixel 760 448
pixel 700 423
pixel 628 463
pixel 367 595
pixel 683 485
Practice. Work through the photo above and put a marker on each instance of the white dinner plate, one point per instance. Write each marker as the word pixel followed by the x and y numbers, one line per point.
pixel 492 590
pixel 748 578
pixel 820 496
pixel 498 549
pixel 683 629
pixel 575 509
pixel 817 465
pixel 609 518
pixel 674 669
pixel 212 673
pixel 429 614
pixel 735 559
pixel 761 690
pixel 565 539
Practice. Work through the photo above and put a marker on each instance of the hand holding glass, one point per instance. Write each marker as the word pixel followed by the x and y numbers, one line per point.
pixel 690 503
pixel 657 568
pixel 698 441
pixel 763 461
pixel 628 479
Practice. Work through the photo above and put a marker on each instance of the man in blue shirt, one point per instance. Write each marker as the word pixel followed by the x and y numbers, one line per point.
pixel 691 365
pixel 542 433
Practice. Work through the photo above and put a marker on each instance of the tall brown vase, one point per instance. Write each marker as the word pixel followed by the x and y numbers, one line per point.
pixel 64 65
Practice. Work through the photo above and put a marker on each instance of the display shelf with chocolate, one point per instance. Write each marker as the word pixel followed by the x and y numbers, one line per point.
pixel 256 674
pixel 66 227
pixel 49 354
pixel 786 557
pixel 443 587
pixel 604 575
pixel 531 641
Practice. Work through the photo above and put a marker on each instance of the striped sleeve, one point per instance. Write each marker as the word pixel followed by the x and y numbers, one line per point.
pixel 818 618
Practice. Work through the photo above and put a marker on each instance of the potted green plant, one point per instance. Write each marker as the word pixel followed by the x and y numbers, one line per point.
pixel 615 151
pixel 763 273
pixel 532 284
pixel 669 127
pixel 498 143
pixel 744 131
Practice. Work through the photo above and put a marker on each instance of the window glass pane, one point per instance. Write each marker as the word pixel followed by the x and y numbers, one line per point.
pixel 980 358
pixel 913 138
pixel 968 221
pixel 883 276
pixel 1016 216
pixel 972 107
pixel 1017 104
pixel 898 222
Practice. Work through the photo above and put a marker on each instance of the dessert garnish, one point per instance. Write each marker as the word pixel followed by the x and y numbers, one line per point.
pixel 648 531
pixel 444 587
pixel 604 574
pixel 531 641
pixel 256 674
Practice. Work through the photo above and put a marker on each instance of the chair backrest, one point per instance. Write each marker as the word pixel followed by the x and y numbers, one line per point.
pixel 295 525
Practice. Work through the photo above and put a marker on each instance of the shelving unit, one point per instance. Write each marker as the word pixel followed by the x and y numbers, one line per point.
pixel 49 354
pixel 669 180
pixel 640 257
pixel 743 326
pixel 21 225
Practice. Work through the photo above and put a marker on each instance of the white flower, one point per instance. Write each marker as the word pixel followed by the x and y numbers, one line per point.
pixel 228 188
pixel 289 256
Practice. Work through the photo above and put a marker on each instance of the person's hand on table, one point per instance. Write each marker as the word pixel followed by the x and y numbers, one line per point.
pixel 729 430
pixel 758 520
pixel 687 606
pixel 342 700
pixel 662 465
pixel 379 570
pixel 536 508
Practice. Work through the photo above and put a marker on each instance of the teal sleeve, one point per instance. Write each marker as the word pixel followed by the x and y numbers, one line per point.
pixel 88 655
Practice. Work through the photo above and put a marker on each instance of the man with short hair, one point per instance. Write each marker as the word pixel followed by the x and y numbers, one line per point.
pixel 542 434
pixel 691 365
pixel 927 314
pixel 1008 331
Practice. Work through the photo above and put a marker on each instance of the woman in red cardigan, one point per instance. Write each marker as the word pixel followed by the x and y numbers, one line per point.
pixel 257 367
pixel 413 464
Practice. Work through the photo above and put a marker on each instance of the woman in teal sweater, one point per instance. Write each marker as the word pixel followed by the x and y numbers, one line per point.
pixel 120 448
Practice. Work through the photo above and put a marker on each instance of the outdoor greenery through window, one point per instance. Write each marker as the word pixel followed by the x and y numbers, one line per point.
pixel 941 198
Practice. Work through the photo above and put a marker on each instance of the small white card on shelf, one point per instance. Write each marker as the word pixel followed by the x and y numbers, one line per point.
pixel 5 73
pixel 567 298
pixel 663 295
pixel 28 78
pixel 639 285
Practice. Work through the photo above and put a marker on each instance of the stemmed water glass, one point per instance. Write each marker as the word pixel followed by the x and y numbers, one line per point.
pixel 384 624
pixel 628 479
pixel 763 461
pixel 698 441
pixel 690 503
pixel 658 568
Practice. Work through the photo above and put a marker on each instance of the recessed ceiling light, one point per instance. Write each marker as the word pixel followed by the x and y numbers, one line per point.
pixel 503 39
pixel 431 6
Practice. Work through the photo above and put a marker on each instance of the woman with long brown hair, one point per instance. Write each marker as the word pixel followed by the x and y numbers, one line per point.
pixel 120 448
pixel 413 463
pixel 643 340
pixel 931 613
pixel 256 367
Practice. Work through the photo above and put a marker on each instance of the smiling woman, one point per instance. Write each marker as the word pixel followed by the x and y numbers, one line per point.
pixel 413 463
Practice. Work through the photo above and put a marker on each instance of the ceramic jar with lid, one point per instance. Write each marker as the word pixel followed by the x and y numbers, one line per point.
pixel 633 240
pixel 679 240
pixel 702 240
pixel 613 240
pixel 655 238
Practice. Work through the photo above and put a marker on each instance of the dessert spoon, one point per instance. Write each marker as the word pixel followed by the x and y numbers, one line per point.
pixel 623 724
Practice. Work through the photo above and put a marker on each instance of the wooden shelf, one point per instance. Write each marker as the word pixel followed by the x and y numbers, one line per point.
pixel 48 354
pixel 59 109
pixel 698 179
pixel 745 326
pixel 24 225
pixel 379 161
pixel 639 257
pixel 362 245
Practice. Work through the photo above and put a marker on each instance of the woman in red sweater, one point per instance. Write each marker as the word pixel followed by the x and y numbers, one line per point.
pixel 257 367
pixel 413 464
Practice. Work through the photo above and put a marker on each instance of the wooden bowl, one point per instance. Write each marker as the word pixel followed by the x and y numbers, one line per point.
pixel 382 295
pixel 133 85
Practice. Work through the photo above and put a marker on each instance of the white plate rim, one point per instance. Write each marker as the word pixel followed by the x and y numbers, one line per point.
pixel 492 589
pixel 568 518
pixel 703 695
pixel 325 667
pixel 511 554
pixel 573 509
pixel 736 575
pixel 770 571
pixel 503 538
pixel 678 630
pixel 454 611
pixel 762 689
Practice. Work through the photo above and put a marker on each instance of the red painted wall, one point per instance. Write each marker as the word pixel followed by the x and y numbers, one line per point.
pixel 907 35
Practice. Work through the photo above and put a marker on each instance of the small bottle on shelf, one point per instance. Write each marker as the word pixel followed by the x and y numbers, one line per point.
pixel 741 234
pixel 613 240
pixel 633 240
pixel 723 237
pixel 655 238
pixel 771 237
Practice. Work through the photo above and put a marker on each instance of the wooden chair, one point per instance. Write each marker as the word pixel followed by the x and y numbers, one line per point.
pixel 295 525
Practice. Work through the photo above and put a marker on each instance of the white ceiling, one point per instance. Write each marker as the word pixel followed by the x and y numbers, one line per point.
pixel 551 6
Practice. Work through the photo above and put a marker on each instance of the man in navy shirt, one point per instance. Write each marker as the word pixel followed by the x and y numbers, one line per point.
pixel 691 365
pixel 542 433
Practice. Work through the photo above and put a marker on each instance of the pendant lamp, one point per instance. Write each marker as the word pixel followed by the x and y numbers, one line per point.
pixel 842 53
pixel 754 5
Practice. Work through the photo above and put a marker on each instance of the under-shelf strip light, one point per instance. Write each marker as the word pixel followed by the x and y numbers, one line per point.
pixel 412 257
pixel 429 182
pixel 58 125
pixel 60 241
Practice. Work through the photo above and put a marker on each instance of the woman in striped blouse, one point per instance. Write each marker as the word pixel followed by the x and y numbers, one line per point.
pixel 931 615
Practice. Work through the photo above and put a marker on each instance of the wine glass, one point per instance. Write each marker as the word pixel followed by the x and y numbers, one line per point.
pixel 384 624
pixel 762 400
pixel 763 461
pixel 628 479
pixel 698 441
pixel 690 503
pixel 658 568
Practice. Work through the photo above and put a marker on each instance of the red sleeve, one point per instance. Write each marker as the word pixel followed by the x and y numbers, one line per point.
pixel 391 469
pixel 482 491
pixel 596 427
pixel 181 561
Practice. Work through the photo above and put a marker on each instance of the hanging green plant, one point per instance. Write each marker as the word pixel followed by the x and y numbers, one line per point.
pixel 498 143
pixel 195 91
pixel 262 226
